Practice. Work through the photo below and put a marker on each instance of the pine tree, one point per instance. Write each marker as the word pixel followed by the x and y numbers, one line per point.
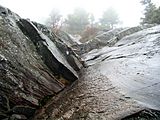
pixel 151 13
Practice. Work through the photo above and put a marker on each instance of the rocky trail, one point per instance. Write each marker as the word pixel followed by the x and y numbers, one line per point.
pixel 92 97
pixel 115 76
pixel 119 82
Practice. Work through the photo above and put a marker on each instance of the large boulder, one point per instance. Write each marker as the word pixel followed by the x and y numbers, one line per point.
pixel 63 41
pixel 51 55
pixel 32 67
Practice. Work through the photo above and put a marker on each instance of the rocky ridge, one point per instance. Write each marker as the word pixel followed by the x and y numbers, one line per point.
pixel 41 73
pixel 32 67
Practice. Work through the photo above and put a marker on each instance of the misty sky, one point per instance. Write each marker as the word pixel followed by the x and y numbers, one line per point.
pixel 130 11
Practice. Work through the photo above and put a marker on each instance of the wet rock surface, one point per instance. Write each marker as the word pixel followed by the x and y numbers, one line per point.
pixel 51 56
pixel 92 97
pixel 120 79
pixel 108 38
pixel 63 42
pixel 119 82
pixel 134 66
pixel 4 103
pixel 147 114
pixel 32 68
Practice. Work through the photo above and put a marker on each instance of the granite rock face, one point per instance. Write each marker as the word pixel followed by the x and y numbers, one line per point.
pixel 51 55
pixel 32 66
pixel 108 38
pixel 120 82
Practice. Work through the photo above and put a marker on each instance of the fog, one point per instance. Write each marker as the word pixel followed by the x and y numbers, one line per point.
pixel 130 11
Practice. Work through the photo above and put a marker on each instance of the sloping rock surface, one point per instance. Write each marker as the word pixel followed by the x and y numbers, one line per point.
pixel 133 65
pixel 63 43
pixel 52 57
pixel 108 38
pixel 119 82
pixel 31 65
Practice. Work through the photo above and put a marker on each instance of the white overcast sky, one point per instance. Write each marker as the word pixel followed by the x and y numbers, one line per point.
pixel 130 11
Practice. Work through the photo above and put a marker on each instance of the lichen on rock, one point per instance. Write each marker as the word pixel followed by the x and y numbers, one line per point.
pixel 31 65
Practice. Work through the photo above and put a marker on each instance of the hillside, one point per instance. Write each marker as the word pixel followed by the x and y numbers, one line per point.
pixel 48 77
